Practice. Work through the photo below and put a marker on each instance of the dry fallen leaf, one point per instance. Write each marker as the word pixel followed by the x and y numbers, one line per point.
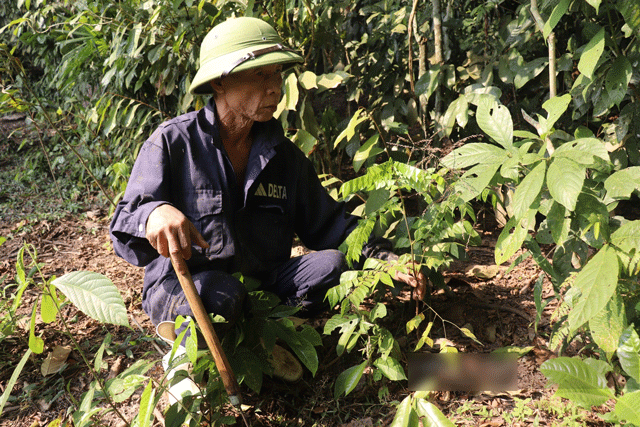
pixel 55 360
pixel 483 271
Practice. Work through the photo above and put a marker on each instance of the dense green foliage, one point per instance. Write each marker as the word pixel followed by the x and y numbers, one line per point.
pixel 386 89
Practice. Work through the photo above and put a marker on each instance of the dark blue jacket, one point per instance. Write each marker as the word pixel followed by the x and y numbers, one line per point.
pixel 249 229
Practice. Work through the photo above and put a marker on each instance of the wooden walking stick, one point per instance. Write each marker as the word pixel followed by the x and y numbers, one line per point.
pixel 210 336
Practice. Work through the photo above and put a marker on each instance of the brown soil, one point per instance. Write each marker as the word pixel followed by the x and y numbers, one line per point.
pixel 499 310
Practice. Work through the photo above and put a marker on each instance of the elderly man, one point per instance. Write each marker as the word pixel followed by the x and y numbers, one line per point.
pixel 224 189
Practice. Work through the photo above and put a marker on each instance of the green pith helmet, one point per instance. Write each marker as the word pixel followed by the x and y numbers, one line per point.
pixel 239 44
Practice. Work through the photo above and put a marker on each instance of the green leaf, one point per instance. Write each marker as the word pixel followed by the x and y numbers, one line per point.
pixel 390 368
pixel 630 11
pixel 347 380
pixel 627 407
pixel 556 106
pixel 305 141
pixel 297 342
pixel 606 327
pixel 308 80
pixel 122 388
pixel 473 154
pixel 565 179
pixel 527 192
pixel 629 353
pixel 557 13
pixel 595 4
pixel 14 378
pixel 95 295
pixel 145 415
pixel 330 80
pixel 627 237
pixel 495 120
pixel 97 364
pixel 36 344
pixel 558 223
pixel 430 415
pixel 48 308
pixel 378 311
pixel 427 84
pixel 405 415
pixel 510 242
pixel 376 200
pixel 618 78
pixel 597 283
pixel 291 94
pixel 591 54
pixel 458 111
pixel 621 184
pixel 583 151
pixel 348 133
pixel 528 71
pixel 577 381
pixel 414 323
pixel 368 150
pixel 475 180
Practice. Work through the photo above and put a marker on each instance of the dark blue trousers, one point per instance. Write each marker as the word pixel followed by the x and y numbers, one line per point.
pixel 302 281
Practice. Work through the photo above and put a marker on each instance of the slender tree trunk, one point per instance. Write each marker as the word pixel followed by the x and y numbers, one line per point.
pixel 551 40
pixel 438 58
pixel 422 62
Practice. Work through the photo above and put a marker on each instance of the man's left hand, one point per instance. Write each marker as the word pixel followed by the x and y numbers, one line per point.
pixel 414 278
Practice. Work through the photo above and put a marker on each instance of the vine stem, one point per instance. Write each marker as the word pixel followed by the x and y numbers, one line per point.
pixel 76 345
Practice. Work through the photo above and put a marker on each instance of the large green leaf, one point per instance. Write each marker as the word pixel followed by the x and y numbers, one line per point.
pixel 583 151
pixel 618 78
pixel 510 242
pixel 95 295
pixel 14 378
pixel 495 120
pixel 475 180
pixel 591 54
pixel 597 283
pixel 430 415
pixel 629 352
pixel 557 13
pixel 627 237
pixel 297 342
pixel 577 381
pixel 348 133
pixel 528 71
pixel 528 190
pixel 147 402
pixel 627 407
pixel 621 184
pixel 347 380
pixel 555 107
pixel 368 150
pixel 458 111
pixel 564 180
pixel 405 415
pixel 559 223
pixel 630 10
pixel 390 368
pixel 606 327
pixel 473 154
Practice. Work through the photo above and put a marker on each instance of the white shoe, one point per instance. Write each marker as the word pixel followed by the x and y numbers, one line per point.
pixel 179 362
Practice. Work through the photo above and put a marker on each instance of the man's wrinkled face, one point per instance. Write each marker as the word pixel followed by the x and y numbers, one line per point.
pixel 251 94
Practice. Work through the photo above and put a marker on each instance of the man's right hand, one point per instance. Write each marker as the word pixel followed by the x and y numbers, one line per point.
pixel 171 233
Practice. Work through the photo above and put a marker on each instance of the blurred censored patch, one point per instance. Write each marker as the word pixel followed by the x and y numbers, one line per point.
pixel 462 372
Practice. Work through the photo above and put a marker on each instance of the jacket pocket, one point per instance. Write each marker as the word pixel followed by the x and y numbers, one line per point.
pixel 204 209
pixel 272 233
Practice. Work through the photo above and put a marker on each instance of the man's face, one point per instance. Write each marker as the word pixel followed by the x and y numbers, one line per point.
pixel 251 94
